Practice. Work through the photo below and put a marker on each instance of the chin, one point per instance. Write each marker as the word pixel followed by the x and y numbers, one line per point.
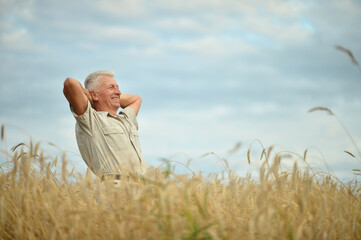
pixel 116 106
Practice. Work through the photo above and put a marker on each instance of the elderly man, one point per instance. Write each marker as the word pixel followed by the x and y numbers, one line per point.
pixel 107 140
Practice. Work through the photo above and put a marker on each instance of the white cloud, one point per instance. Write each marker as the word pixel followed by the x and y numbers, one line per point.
pixel 154 51
pixel 182 24
pixel 188 6
pixel 275 20
pixel 121 34
pixel 121 8
pixel 287 33
pixel 340 15
pixel 20 40
pixel 23 9
pixel 262 108
pixel 214 46
pixel 347 6
pixel 205 46
pixel 284 9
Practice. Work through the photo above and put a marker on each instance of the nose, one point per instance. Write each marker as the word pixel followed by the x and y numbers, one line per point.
pixel 118 91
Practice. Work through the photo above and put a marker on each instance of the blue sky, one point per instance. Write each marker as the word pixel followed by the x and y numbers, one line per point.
pixel 211 74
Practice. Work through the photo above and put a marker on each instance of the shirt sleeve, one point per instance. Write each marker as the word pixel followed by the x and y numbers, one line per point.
pixel 84 121
pixel 129 112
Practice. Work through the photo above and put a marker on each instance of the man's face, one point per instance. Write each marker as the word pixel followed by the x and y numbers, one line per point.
pixel 108 93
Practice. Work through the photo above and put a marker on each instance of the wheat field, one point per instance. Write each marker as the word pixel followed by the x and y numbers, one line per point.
pixel 36 203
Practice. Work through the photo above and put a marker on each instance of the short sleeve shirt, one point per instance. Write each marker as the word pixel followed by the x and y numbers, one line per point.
pixel 109 144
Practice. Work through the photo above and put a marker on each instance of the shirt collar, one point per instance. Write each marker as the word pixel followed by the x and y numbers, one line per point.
pixel 107 114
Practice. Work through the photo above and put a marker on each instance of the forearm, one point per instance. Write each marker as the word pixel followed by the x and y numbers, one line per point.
pixel 130 100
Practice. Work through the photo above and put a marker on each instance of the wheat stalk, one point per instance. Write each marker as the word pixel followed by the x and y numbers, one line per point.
pixel 341 123
pixel 350 54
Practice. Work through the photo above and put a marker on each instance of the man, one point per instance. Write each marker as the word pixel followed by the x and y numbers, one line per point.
pixel 107 140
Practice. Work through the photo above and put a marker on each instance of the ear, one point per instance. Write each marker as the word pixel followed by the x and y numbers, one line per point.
pixel 94 95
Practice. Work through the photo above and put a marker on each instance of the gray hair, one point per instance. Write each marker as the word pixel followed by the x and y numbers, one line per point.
pixel 92 80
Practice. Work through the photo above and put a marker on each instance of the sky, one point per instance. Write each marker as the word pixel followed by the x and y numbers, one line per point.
pixel 213 74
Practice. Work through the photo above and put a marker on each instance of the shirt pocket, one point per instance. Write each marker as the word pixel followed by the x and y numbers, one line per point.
pixel 134 133
pixel 115 138
pixel 135 140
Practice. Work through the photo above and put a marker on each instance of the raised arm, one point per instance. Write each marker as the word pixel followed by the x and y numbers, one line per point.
pixel 130 100
pixel 77 95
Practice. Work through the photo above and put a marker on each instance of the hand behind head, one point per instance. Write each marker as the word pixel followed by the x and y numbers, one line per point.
pixel 87 93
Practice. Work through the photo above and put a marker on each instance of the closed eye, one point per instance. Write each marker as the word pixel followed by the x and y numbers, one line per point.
pixel 113 86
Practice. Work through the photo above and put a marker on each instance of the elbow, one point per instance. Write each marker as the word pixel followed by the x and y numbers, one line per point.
pixel 138 100
pixel 69 84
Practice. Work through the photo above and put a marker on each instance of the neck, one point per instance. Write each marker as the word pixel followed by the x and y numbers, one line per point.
pixel 99 108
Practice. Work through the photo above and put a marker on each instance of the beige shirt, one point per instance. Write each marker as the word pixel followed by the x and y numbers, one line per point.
pixel 109 144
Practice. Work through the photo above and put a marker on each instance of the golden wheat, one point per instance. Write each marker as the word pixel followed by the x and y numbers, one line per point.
pixel 36 204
